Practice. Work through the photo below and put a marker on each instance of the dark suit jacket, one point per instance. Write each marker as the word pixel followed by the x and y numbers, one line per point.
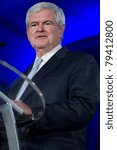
pixel 69 82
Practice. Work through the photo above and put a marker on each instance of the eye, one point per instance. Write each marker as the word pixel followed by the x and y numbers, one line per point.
pixel 48 23
pixel 33 25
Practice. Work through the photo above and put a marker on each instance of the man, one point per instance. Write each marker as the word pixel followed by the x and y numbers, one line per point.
pixel 68 80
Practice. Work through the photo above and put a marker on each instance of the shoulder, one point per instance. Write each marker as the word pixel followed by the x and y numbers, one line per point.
pixel 79 56
pixel 75 57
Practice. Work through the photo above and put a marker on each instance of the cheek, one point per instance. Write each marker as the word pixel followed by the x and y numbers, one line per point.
pixel 51 36
pixel 55 35
pixel 30 35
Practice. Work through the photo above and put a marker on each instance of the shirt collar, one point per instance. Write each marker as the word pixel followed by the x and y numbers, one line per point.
pixel 49 54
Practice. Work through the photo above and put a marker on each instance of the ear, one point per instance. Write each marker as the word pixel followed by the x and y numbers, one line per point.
pixel 62 29
pixel 27 32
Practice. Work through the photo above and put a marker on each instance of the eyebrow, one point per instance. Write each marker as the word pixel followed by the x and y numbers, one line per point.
pixel 42 22
pixel 33 22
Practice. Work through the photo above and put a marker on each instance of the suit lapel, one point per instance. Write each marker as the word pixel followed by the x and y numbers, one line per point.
pixel 52 64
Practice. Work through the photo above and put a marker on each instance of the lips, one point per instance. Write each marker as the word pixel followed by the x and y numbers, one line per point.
pixel 40 37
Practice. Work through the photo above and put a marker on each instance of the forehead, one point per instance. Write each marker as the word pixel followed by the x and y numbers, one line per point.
pixel 42 15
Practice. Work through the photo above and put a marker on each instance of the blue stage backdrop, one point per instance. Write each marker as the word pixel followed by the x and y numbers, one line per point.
pixel 82 34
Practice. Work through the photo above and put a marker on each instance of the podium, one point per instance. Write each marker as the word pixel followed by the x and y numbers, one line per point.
pixel 7 109
pixel 10 125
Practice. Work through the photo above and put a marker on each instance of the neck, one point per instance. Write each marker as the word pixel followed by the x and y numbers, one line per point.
pixel 41 52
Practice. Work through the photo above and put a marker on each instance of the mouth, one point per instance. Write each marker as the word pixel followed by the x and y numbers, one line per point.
pixel 41 37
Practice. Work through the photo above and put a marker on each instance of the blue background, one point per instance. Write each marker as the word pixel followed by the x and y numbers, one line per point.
pixel 82 34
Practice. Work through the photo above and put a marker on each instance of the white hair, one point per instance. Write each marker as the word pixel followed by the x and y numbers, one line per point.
pixel 60 17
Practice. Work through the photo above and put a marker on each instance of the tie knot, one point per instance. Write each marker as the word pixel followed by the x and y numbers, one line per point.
pixel 38 61
pixel 35 67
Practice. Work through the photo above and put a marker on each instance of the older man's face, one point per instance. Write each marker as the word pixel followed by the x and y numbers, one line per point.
pixel 43 31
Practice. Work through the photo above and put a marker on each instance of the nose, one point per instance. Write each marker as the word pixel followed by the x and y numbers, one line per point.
pixel 40 27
